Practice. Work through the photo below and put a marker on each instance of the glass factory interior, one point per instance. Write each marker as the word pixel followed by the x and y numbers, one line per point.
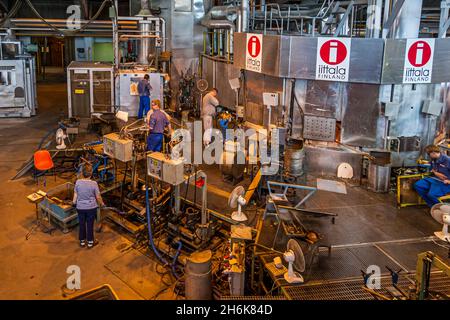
pixel 224 150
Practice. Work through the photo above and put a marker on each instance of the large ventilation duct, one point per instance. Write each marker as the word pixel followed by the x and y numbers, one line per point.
pixel 407 23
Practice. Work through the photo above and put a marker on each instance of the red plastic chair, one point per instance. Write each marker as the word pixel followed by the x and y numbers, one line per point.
pixel 43 162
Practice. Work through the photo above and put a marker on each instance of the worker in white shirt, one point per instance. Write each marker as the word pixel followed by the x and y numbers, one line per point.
pixel 209 105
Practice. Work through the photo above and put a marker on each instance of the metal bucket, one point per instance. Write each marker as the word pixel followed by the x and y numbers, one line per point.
pixel 294 156
pixel 198 276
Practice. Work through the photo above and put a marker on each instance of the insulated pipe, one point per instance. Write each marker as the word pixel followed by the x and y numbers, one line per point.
pixel 373 21
pixel 245 11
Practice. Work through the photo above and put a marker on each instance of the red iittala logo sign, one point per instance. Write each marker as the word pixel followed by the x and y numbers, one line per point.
pixel 253 59
pixel 333 52
pixel 333 59
pixel 418 61
pixel 419 54
pixel 254 46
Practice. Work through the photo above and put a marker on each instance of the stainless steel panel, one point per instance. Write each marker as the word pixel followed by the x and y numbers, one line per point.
pixel 319 128
pixel 302 58
pixel 393 61
pixel 323 98
pixel 441 61
pixel 360 115
pixel 325 161
pixel 275 53
pixel 208 71
pixel 270 55
pixel 366 60
pixel 298 108
pixel 239 45
pixel 302 53
pixel 225 72
pixel 256 84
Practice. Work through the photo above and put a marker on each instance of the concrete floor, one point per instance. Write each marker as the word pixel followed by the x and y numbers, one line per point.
pixel 36 268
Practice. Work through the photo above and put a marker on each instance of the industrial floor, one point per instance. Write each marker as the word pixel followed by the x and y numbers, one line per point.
pixel 36 268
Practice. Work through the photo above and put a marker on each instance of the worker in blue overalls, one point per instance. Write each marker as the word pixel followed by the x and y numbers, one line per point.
pixel 432 188
pixel 157 121
pixel 144 89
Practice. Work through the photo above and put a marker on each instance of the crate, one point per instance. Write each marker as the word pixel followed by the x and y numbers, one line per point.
pixel 58 206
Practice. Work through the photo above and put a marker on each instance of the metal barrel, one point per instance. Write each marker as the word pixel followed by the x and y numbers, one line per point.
pixel 294 157
pixel 198 276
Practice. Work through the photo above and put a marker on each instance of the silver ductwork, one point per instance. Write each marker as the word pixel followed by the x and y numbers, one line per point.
pixel 245 11
pixel 407 24
pixel 144 49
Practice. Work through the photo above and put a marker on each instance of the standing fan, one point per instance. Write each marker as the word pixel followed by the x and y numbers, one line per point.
pixel 294 256
pixel 441 213
pixel 237 199
pixel 60 136
pixel 202 85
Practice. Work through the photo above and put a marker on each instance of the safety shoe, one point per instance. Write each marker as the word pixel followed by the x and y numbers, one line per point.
pixel 92 244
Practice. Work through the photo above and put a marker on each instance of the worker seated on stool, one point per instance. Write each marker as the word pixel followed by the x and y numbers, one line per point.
pixel 432 188
pixel 157 121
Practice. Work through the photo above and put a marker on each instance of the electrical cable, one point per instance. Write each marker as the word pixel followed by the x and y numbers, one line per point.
pixel 12 12
pixel 64 32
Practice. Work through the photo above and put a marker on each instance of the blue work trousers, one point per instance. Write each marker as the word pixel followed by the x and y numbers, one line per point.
pixel 154 142
pixel 144 106
pixel 430 189
pixel 86 220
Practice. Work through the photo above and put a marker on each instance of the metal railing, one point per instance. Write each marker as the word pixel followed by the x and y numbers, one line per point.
pixel 330 18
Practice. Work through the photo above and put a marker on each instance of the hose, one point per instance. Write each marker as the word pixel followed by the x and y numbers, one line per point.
pixel 175 259
pixel 149 227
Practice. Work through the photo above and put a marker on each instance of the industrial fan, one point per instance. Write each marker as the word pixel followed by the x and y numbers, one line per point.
pixel 236 199
pixel 60 136
pixel 202 85
pixel 296 260
pixel 441 213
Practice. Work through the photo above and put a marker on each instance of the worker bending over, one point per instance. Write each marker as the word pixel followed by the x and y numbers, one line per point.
pixel 432 188
pixel 144 89
pixel 209 105
pixel 157 121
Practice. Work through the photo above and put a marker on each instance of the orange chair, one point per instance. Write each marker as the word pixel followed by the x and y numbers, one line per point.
pixel 43 162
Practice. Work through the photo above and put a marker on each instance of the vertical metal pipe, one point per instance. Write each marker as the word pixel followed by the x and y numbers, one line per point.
pixel 144 27
pixel 373 22
pixel 408 21
pixel 245 9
